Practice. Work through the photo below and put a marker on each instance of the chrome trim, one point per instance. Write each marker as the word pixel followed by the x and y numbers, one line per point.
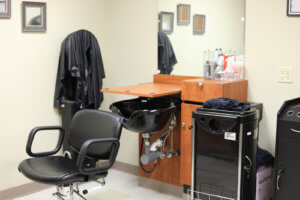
pixel 240 161
pixel 193 158
pixel 277 182
pixel 294 130
pixel 249 160
pixel 197 194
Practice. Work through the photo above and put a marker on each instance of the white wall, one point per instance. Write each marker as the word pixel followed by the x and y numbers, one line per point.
pixel 28 63
pixel 224 29
pixel 272 40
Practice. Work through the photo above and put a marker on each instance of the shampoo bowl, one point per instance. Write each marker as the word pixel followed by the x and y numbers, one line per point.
pixel 144 115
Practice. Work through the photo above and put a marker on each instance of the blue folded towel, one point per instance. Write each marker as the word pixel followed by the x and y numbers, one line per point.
pixel 226 104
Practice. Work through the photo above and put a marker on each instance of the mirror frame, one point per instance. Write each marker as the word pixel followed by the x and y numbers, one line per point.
pixel 6 14
pixel 43 27
pixel 167 31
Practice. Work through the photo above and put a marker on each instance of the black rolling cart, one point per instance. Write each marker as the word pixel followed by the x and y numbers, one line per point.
pixel 224 154
pixel 287 160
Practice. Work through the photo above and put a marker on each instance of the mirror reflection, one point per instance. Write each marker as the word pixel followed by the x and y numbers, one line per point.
pixel 33 16
pixel 167 20
pixel 223 36
pixel 2 6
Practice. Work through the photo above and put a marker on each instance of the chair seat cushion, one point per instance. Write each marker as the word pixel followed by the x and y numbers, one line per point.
pixel 56 170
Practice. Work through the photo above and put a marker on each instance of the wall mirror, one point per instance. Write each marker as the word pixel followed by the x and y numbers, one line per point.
pixel 5 8
pixel 34 16
pixel 224 28
pixel 166 20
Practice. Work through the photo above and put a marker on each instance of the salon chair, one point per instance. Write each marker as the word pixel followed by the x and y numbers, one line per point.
pixel 94 137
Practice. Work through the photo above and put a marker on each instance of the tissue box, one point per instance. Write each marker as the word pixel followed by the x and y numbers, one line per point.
pixel 264 183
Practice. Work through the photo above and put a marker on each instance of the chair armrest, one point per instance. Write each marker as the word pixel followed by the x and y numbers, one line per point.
pixel 41 128
pixel 83 155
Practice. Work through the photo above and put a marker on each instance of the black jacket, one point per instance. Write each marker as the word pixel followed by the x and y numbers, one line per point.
pixel 80 71
pixel 166 54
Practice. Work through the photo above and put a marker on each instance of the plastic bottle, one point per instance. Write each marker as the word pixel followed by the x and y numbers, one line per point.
pixel 229 71
pixel 216 55
pixel 219 69
pixel 206 69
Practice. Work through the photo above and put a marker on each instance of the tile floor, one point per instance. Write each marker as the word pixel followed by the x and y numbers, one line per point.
pixel 119 186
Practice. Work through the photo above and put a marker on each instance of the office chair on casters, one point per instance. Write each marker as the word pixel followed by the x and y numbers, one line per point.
pixel 94 135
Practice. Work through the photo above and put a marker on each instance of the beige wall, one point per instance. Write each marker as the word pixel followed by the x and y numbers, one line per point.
pixel 131 48
pixel 272 40
pixel 224 29
pixel 28 63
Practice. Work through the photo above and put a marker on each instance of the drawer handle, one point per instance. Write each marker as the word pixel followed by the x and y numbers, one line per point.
pixel 294 130
pixel 280 172
pixel 200 84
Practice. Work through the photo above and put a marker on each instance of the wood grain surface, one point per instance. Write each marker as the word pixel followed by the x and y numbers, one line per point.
pixel 146 90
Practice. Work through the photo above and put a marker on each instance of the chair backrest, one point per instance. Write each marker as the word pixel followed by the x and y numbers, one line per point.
pixel 94 124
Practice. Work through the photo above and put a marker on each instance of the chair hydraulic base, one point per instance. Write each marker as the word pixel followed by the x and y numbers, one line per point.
pixel 61 194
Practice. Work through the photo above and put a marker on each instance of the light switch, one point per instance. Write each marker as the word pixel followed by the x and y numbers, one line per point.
pixel 285 74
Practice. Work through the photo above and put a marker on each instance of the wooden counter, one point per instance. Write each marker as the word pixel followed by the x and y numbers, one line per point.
pixel 162 85
pixel 147 90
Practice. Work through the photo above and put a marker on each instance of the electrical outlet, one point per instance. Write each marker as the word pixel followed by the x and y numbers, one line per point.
pixel 285 74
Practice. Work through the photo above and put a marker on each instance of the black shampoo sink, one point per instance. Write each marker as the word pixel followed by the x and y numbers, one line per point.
pixel 143 115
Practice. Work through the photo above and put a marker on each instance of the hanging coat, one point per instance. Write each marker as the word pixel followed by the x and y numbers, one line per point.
pixel 80 71
pixel 166 54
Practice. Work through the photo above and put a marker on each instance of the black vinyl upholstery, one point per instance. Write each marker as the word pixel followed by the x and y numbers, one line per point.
pixel 92 126
pixel 86 126
pixel 52 170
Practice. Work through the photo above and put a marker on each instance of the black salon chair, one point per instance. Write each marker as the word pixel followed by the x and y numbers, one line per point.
pixel 94 136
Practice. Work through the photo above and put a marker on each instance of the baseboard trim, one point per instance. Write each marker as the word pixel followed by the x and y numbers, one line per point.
pixel 22 190
pixel 128 168
pixel 159 186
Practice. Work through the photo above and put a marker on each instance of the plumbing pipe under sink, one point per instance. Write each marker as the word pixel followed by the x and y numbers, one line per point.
pixel 148 116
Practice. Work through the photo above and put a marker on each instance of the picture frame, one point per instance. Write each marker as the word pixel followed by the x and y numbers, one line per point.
pixel 166 22
pixel 293 7
pixel 199 24
pixel 183 14
pixel 34 16
pixel 5 8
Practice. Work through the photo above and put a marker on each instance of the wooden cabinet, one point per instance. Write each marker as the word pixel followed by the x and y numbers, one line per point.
pixel 201 90
pixel 194 91
pixel 186 142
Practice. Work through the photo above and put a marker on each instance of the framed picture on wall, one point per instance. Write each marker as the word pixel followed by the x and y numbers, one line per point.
pixel 166 21
pixel 34 16
pixel 5 8
pixel 183 14
pixel 293 8
pixel 199 24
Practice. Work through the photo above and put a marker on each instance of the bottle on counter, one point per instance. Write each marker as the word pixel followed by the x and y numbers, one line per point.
pixel 207 69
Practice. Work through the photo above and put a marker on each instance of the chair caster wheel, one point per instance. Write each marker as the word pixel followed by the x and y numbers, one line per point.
pixel 85 192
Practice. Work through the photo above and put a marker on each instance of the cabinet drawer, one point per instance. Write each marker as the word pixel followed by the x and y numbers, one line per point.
pixel 200 90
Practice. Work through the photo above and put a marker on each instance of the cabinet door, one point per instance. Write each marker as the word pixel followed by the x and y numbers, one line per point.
pixel 186 142
pixel 288 158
